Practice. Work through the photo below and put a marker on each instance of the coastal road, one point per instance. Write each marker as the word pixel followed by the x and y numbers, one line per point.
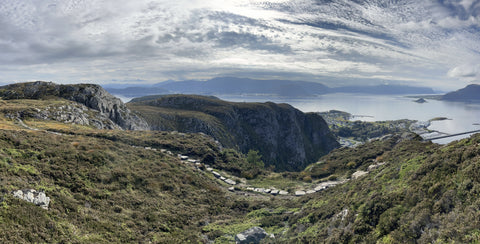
pixel 451 135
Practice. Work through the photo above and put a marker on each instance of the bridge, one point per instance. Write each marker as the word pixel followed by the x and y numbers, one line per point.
pixel 451 135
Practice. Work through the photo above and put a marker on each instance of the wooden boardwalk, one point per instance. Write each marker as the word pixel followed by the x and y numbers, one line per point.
pixel 451 135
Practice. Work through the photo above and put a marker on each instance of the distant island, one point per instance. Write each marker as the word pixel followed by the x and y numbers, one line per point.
pixel 420 100
pixel 246 86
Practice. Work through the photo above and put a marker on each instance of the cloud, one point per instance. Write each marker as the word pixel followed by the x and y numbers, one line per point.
pixel 419 41
pixel 468 71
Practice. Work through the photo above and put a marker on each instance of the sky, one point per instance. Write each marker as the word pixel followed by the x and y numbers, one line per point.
pixel 434 43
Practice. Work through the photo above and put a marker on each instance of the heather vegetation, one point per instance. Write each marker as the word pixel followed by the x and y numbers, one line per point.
pixel 116 186
pixel 425 193
pixel 105 190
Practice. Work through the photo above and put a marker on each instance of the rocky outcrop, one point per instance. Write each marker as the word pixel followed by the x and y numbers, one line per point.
pixel 33 196
pixel 252 235
pixel 90 95
pixel 73 113
pixel 285 137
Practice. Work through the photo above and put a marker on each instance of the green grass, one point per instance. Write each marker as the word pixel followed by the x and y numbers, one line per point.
pixel 279 181
pixel 425 193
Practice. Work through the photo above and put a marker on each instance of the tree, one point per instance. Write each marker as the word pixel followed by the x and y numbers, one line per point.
pixel 255 159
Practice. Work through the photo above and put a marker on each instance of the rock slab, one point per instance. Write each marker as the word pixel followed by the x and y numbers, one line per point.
pixel 33 196
pixel 252 235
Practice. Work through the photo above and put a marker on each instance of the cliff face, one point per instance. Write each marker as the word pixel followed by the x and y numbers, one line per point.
pixel 89 95
pixel 285 137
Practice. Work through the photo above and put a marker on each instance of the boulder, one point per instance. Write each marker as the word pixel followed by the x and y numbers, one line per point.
pixel 33 196
pixel 252 235
pixel 299 193
pixel 375 166
pixel 359 174
pixel 230 182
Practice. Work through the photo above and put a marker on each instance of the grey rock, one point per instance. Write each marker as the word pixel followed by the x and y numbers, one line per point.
pixel 252 235
pixel 375 166
pixel 90 95
pixel 33 196
pixel 327 184
pixel 359 174
pixel 300 193
pixel 230 182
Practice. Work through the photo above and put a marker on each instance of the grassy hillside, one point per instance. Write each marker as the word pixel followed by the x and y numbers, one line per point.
pixel 425 193
pixel 110 186
pixel 107 188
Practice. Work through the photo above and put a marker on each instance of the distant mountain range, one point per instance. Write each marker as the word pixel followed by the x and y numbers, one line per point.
pixel 245 86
